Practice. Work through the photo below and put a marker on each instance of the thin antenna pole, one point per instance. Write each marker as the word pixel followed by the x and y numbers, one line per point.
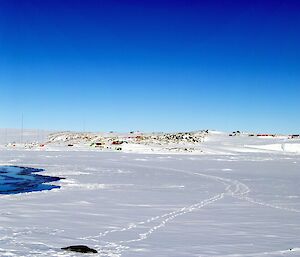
pixel 22 129
pixel 5 135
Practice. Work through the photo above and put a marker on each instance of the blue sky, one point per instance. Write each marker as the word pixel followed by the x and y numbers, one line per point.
pixel 152 65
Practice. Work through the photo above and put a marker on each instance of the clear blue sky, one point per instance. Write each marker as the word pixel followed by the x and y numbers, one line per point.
pixel 152 65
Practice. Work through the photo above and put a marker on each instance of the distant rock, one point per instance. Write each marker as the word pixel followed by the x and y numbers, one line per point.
pixel 79 249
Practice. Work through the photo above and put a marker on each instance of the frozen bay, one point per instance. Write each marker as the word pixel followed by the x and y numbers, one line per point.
pixel 244 204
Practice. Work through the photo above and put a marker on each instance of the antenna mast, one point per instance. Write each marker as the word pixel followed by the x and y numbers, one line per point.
pixel 22 129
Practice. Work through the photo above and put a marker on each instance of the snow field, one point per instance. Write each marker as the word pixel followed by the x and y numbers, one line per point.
pixel 156 205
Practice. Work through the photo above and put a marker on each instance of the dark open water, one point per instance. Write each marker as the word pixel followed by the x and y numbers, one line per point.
pixel 15 180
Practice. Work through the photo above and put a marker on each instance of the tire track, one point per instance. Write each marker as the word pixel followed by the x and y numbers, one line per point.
pixel 116 248
pixel 233 188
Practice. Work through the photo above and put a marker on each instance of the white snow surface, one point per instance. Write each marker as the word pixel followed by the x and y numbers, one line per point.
pixel 231 197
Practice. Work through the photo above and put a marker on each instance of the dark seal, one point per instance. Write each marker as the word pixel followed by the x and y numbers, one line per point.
pixel 79 249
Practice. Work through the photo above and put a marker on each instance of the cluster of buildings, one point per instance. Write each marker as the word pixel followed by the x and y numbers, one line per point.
pixel 238 133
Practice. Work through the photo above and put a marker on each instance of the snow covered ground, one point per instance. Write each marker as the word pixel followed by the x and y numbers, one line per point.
pixel 234 196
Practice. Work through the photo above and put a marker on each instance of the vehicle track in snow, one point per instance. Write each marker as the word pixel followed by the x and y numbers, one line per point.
pixel 115 248
pixel 233 188
pixel 239 190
